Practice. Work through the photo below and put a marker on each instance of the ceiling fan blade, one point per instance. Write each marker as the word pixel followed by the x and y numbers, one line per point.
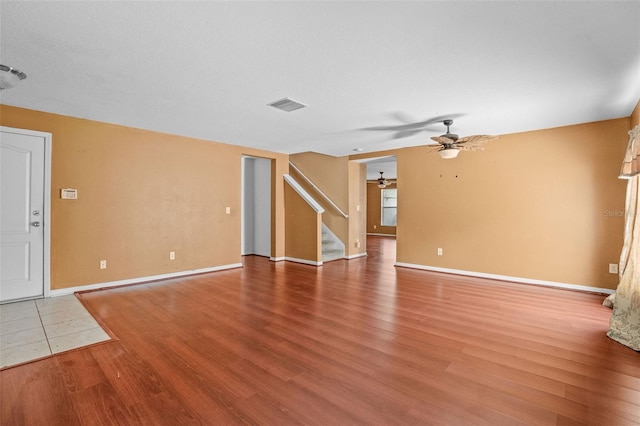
pixel 414 126
pixel 442 140
pixel 476 139
pixel 434 145
pixel 403 117
pixel 383 128
pixel 471 148
pixel 434 148
pixel 438 119
pixel 406 133
pixel 397 127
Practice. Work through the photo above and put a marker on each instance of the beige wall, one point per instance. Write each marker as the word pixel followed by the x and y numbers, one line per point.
pixel 374 210
pixel 357 209
pixel 303 228
pixel 279 167
pixel 541 205
pixel 141 194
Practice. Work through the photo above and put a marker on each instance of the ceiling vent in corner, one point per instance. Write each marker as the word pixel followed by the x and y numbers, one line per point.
pixel 286 104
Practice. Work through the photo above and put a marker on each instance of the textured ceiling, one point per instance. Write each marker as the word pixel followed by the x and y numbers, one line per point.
pixel 209 69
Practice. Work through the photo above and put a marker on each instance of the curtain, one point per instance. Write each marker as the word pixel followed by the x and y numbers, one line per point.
pixel 624 326
pixel 631 163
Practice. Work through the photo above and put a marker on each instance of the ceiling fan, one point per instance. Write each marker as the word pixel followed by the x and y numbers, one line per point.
pixel 382 182
pixel 449 145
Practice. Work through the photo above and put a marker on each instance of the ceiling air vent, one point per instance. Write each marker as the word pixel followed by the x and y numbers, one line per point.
pixel 286 104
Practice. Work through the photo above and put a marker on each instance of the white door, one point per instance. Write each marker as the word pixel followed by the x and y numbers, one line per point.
pixel 22 163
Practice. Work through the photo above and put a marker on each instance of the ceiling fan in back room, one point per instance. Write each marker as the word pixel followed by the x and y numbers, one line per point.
pixel 382 182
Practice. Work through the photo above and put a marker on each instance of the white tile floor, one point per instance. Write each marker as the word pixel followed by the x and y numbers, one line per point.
pixel 38 328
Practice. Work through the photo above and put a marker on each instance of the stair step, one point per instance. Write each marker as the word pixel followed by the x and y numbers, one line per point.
pixel 332 249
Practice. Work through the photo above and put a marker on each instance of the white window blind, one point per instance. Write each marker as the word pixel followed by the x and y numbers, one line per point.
pixel 389 206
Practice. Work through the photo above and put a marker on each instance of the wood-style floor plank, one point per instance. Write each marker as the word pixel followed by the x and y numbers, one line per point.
pixel 36 393
pixel 351 342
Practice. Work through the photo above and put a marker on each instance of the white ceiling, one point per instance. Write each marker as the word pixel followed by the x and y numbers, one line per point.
pixel 209 69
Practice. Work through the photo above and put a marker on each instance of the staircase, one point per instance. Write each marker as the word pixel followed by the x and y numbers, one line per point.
pixel 332 247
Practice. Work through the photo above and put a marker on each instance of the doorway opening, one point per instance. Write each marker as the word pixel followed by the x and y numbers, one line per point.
pixel 382 198
pixel 256 206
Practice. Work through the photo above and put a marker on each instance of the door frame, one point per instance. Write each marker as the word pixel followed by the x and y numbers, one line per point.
pixel 46 266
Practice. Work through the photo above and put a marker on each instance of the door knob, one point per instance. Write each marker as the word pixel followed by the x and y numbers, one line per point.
pixel 35 224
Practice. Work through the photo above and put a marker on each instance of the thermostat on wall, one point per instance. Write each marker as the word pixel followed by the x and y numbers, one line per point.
pixel 69 194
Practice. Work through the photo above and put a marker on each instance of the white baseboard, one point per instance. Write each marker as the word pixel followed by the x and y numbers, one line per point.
pixel 71 290
pixel 310 262
pixel 355 256
pixel 508 278
pixel 305 261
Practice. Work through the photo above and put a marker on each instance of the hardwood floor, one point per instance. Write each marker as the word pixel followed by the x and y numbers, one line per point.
pixel 351 342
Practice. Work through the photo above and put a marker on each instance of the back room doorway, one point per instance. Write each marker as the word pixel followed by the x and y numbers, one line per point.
pixel 256 206
pixel 382 197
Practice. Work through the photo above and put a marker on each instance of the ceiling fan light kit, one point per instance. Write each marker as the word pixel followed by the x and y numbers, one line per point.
pixel 448 153
pixel 10 77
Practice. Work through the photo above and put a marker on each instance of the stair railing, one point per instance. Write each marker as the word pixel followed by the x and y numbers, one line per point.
pixel 304 194
pixel 322 194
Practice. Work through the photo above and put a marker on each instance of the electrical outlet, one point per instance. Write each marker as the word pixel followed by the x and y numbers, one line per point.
pixel 227 210
pixel 374 226
pixel 172 255
pixel 439 251
pixel 613 268
pixel 103 264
